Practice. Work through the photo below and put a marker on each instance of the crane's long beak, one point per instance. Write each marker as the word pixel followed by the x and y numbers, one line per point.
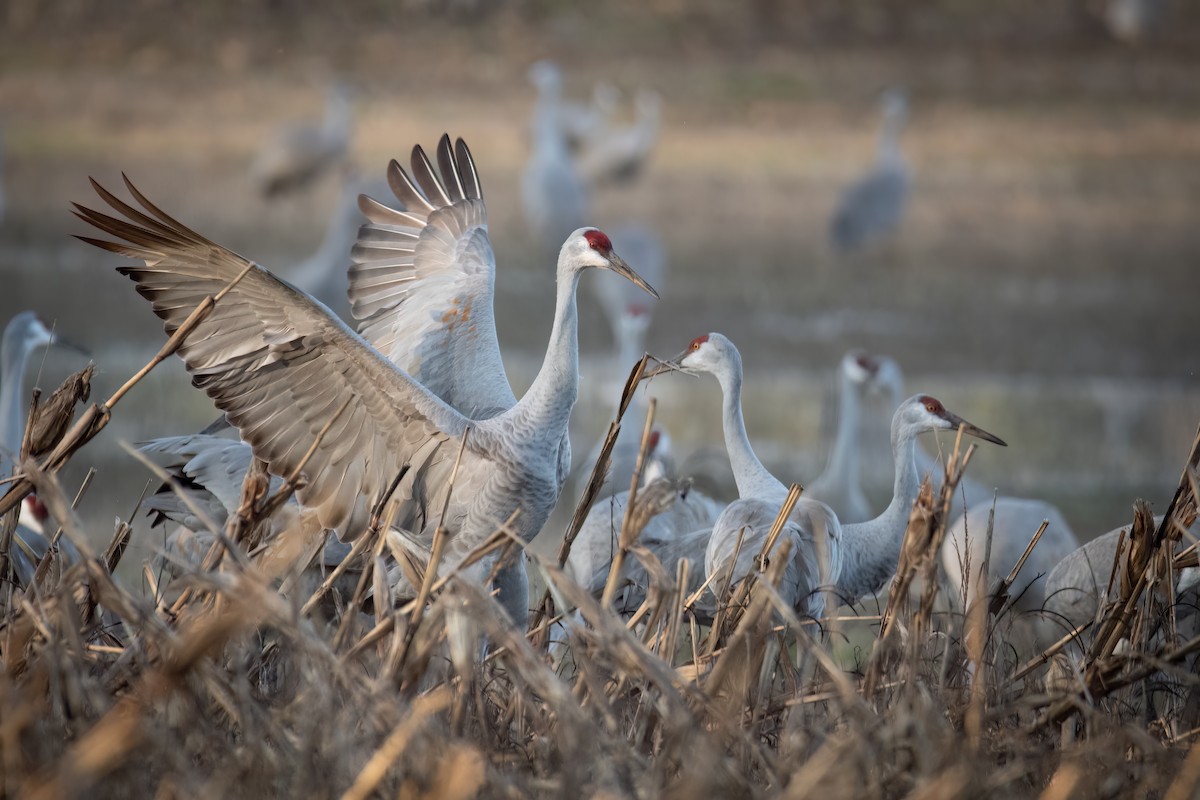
pixel 67 344
pixel 618 265
pixel 974 430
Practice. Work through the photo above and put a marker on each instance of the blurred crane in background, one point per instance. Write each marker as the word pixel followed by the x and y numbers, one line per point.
pixel 300 152
pixel 872 207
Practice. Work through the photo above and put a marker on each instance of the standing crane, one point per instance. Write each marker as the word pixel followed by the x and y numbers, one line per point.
pixel 1016 520
pixel 619 155
pixel 296 154
pixel 23 334
pixel 840 486
pixel 553 193
pixel 282 368
pixel 872 206
pixel 856 558
pixel 629 315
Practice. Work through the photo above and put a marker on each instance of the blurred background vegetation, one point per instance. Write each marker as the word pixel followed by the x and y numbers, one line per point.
pixel 1043 281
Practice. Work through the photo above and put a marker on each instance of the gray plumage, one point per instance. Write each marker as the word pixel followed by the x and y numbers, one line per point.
pixel 812 529
pixel 280 367
pixel 855 558
pixel 553 194
pixel 298 153
pixel 1078 582
pixel 840 485
pixel 629 315
pixel 23 334
pixel 1017 519
pixel 872 207
pixel 677 530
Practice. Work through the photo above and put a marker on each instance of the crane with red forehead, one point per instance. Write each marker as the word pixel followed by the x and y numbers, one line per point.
pixel 853 559
pixel 283 369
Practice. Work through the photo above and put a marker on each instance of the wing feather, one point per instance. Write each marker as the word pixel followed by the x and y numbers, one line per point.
pixel 422 282
pixel 280 365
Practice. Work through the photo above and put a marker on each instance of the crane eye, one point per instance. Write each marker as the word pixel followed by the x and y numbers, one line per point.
pixel 699 340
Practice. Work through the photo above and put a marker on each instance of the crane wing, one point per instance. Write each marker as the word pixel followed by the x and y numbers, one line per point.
pixel 215 465
pixel 423 280
pixel 281 366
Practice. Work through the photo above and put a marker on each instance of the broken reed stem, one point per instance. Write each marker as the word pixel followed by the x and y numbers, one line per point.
pixel 628 535
pixel 543 607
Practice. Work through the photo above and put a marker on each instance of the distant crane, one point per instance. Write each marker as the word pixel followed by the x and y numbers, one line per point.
pixel 282 368
pixel 872 207
pixel 619 155
pixel 553 194
pixel 840 486
pixel 855 558
pixel 23 334
pixel 298 153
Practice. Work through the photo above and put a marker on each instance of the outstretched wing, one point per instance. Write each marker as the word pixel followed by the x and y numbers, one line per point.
pixel 281 367
pixel 423 281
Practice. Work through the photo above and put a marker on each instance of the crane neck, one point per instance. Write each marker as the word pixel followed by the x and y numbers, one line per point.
pixel 842 466
pixel 871 549
pixel 753 479
pixel 547 405
pixel 13 358
pixel 325 268
pixel 887 149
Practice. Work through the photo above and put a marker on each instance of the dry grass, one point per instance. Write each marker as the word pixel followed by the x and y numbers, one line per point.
pixel 221 684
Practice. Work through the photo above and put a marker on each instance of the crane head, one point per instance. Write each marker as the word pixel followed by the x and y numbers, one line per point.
pixel 921 413
pixel 591 248
pixel 859 367
pixel 711 352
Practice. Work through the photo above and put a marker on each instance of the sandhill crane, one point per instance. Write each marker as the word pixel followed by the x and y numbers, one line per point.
pixel 629 315
pixel 678 529
pixel 23 334
pixel 281 366
pixel 298 153
pixel 1016 520
pixel 210 470
pixel 855 558
pixel 581 122
pixel 871 207
pixel 1078 582
pixel 554 196
pixel 619 155
pixel 839 485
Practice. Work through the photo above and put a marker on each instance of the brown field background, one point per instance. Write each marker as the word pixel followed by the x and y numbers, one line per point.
pixel 1044 282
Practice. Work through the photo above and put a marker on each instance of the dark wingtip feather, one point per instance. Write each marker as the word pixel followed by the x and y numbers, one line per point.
pixel 426 177
pixel 449 167
pixel 474 187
